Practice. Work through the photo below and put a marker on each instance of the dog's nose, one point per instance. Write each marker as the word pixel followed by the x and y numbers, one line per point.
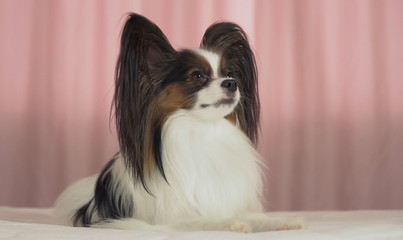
pixel 229 84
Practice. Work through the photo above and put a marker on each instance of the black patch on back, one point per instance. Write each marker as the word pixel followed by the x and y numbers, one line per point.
pixel 107 203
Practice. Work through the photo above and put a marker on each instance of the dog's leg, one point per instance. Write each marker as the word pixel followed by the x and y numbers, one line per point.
pixel 261 222
pixel 211 224
pixel 132 224
pixel 251 222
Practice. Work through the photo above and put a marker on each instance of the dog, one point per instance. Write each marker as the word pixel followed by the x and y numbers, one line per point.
pixel 187 123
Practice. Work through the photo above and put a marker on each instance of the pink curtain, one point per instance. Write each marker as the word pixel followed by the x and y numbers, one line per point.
pixel 331 86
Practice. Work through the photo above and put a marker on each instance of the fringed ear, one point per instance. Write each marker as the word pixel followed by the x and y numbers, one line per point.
pixel 231 41
pixel 142 49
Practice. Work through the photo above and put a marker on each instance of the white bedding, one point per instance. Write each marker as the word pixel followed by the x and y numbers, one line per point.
pixel 31 223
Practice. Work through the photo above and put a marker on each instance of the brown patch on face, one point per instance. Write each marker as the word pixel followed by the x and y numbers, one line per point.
pixel 196 62
pixel 231 118
pixel 174 97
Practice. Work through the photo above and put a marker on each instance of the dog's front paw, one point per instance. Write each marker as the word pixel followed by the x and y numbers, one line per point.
pixel 261 222
pixel 237 226
pixel 282 224
pixel 290 224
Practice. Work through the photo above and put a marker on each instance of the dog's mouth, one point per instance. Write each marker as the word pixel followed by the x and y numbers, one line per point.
pixel 225 101
pixel 222 102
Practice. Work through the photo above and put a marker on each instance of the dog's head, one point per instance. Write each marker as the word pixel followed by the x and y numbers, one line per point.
pixel 153 81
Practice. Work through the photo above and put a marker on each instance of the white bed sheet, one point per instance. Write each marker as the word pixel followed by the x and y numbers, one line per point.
pixel 31 223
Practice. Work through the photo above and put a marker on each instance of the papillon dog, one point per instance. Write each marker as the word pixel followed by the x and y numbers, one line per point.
pixel 187 123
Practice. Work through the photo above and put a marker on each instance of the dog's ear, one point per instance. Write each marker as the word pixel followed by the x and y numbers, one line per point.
pixel 143 51
pixel 231 41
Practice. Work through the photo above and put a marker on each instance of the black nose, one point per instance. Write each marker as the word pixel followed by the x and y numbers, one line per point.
pixel 230 85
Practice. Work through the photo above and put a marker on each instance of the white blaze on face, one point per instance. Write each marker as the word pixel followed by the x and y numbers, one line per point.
pixel 213 58
pixel 213 102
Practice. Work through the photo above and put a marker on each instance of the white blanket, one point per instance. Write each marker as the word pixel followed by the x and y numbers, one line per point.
pixel 31 223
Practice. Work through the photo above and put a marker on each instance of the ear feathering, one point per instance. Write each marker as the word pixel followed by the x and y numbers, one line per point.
pixel 143 49
pixel 231 41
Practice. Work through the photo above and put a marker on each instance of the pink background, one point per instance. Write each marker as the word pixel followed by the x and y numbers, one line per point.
pixel 331 86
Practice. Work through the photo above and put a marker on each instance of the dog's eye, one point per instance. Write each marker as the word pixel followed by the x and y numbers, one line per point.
pixel 198 76
pixel 229 75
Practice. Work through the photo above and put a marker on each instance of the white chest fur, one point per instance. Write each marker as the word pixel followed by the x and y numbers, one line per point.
pixel 211 167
